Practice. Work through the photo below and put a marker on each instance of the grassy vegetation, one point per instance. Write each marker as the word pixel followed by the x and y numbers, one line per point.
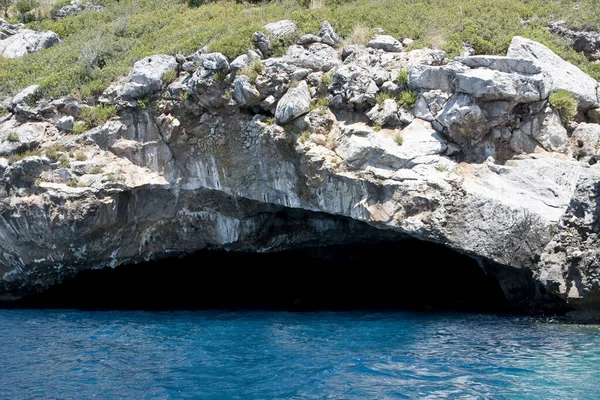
pixel 169 76
pixel 63 162
pixel 24 154
pixel 382 96
pixel 407 98
pixel 53 152
pixel 564 104
pixel 327 78
pixel 304 137
pixel 402 77
pixel 79 128
pixel 96 116
pixel 398 139
pixel 100 46
pixel 253 70
pixel 12 137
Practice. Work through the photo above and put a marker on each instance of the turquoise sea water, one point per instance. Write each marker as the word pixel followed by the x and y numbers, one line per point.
pixel 70 354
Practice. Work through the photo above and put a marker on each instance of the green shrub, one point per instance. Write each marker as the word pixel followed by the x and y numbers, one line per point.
pixel 72 183
pixel 281 43
pixel 79 128
pixel 24 6
pixel 52 153
pixel 97 170
pixel 564 104
pixel 376 127
pixel 304 137
pixel 4 5
pixel 24 154
pixel 57 6
pixel 12 137
pixel 407 98
pixel 382 96
pixel 127 31
pixel 98 115
pixel 63 162
pixel 253 70
pixel 169 76
pixel 220 76
pixel 144 102
pixel 323 102
pixel 402 77
pixel 327 79
pixel 80 156
pixel 398 139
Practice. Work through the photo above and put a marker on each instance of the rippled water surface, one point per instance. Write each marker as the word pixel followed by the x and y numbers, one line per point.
pixel 280 355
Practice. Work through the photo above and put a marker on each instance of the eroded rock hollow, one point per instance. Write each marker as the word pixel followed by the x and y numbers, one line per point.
pixel 321 146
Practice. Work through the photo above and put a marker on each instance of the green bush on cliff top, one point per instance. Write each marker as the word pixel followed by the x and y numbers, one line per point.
pixel 100 46
pixel 564 104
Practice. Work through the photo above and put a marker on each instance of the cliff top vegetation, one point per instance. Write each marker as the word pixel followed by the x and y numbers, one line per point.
pixel 100 46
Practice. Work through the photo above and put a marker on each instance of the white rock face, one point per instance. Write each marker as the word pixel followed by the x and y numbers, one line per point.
pixel 386 43
pixel 146 76
pixel 294 103
pixel 385 113
pixel 463 120
pixel 560 74
pixel 25 94
pixel 585 141
pixel 26 41
pixel 317 57
pixel 594 115
pixel 15 137
pixel 66 123
pixel 244 92
pixel 551 135
pixel 487 172
pixel 282 28
pixel 485 78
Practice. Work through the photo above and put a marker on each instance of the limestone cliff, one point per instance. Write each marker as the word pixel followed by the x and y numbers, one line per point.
pixel 263 154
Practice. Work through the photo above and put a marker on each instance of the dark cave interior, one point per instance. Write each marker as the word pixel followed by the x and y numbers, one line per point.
pixel 407 274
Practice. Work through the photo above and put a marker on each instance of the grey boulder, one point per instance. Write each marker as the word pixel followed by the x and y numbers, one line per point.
pixel 294 103
pixel 585 140
pixel 263 44
pixel 245 92
pixel 66 123
pixel 25 94
pixel 27 41
pixel 386 43
pixel 317 57
pixel 328 34
pixel 146 76
pixel 282 28
pixel 560 73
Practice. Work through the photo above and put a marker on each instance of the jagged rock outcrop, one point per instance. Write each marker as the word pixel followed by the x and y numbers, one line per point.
pixel 15 41
pixel 146 76
pixel 583 41
pixel 75 7
pixel 559 73
pixel 222 160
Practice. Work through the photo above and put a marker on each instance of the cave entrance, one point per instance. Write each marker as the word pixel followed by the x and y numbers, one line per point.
pixel 406 274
